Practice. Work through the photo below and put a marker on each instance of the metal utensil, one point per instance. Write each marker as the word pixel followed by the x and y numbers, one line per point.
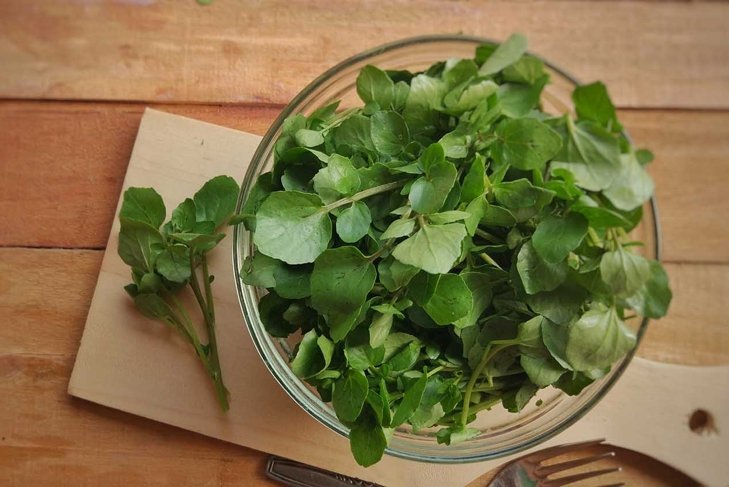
pixel 532 470
pixel 296 474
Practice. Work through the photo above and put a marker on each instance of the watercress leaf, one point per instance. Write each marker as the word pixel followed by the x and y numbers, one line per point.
pixel 367 440
pixel 350 393
pixel 149 283
pixel 448 217
pixel 433 155
pixel 139 244
pixel 143 205
pixel 292 227
pixel 309 138
pixel 430 191
pixel 260 270
pixel 573 383
pixel 433 248
pixel 527 70
pixel 425 92
pixel 293 281
pixel 474 183
pixel 592 102
pixel 394 274
pixel 358 352
pixel 453 435
pixel 516 194
pixel 271 309
pixel 631 187
pixel 354 133
pixel 184 216
pixel 653 298
pixel 410 401
pixel 338 177
pixel 216 200
pixel 450 301
pixel 313 355
pixel 340 282
pixel 405 358
pixel 399 228
pixel 560 305
pixel 354 222
pixel 389 132
pixel 154 307
pixel 506 54
pixel 380 328
pixel 174 263
pixel 263 187
pixel 541 370
pixel 601 218
pixel 516 399
pixel 536 274
pixel 624 272
pixel 481 292
pixel 374 85
pixel 591 154
pixel 555 237
pixel 476 210
pixel 518 100
pixel 525 143
pixel 597 340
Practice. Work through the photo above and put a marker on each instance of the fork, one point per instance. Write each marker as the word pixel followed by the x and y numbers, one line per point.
pixel 531 471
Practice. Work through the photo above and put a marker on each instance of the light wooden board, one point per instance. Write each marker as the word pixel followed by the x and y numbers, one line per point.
pixel 651 54
pixel 87 148
pixel 128 363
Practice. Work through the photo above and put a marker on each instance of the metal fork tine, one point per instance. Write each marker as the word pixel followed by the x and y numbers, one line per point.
pixel 554 451
pixel 580 476
pixel 621 484
pixel 546 470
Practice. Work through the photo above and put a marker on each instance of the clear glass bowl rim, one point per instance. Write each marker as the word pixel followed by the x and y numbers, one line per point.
pixel 283 380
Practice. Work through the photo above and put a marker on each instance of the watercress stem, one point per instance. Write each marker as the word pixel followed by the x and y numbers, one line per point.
pixel 383 188
pixel 488 354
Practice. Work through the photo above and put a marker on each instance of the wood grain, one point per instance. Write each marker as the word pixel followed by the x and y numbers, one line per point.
pixel 86 148
pixel 651 54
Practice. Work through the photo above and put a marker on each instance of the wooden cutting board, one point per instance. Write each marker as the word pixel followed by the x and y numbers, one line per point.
pixel 130 363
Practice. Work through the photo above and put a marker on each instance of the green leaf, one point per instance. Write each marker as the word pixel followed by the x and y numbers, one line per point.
pixel 433 155
pixel 139 244
pixel 527 70
pixel 350 392
pixel 653 298
pixel 597 340
pixel 184 216
pixel 591 154
pixel 516 399
pixel 456 434
pixel 521 194
pixel 476 210
pixel 481 292
pixel 560 305
pixel 258 193
pixel 518 100
pixel 389 132
pixel 448 217
pixel 451 300
pixel 309 138
pixel 174 263
pixel 624 272
pixel 260 270
pixel 536 274
pixel 374 85
pixel 555 338
pixel 338 177
pixel 410 401
pixel 292 227
pixel 425 92
pixel 293 281
pixel 430 191
pixel 313 355
pixel 508 53
pixel 216 200
pixel 341 280
pixel 525 143
pixel 632 186
pixel 555 237
pixel 143 205
pixel 271 309
pixel 593 103
pixel 380 328
pixel 541 370
pixel 474 184
pixel 399 228
pixel 354 133
pixel 354 222
pixel 367 440
pixel 433 248
pixel 154 307
pixel 394 274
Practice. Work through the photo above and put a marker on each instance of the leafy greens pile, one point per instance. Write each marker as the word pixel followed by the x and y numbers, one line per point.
pixel 165 260
pixel 449 246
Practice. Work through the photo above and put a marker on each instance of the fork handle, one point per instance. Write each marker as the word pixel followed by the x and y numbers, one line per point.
pixel 295 474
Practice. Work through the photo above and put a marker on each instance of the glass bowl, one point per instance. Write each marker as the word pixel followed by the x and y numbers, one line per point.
pixel 502 433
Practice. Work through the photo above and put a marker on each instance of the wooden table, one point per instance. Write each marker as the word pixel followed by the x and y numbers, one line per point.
pixel 75 77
